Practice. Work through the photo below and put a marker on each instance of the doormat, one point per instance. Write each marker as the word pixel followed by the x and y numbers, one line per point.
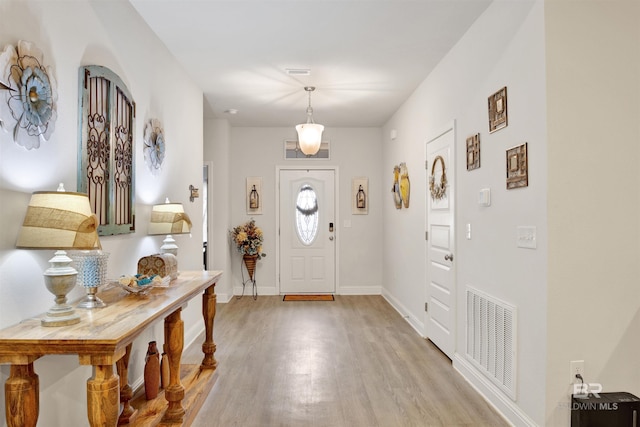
pixel 303 297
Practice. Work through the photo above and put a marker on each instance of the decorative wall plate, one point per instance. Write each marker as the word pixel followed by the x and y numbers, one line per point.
pixel 154 145
pixel 28 95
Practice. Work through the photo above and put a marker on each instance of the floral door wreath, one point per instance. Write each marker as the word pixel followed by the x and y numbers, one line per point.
pixel 438 191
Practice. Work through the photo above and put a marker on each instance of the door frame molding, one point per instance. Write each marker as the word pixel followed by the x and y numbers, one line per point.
pixel 209 207
pixel 336 206
pixel 449 126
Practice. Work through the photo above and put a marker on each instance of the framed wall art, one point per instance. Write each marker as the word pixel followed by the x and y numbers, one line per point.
pixel 517 167
pixel 473 152
pixel 498 110
pixel 106 147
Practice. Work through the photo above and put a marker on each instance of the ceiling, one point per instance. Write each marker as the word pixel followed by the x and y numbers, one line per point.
pixel 365 57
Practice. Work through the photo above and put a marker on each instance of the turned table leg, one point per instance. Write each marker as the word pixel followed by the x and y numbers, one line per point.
pixel 126 393
pixel 174 342
pixel 21 395
pixel 103 397
pixel 209 312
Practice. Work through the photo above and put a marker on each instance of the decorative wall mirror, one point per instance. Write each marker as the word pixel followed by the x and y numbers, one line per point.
pixel 105 149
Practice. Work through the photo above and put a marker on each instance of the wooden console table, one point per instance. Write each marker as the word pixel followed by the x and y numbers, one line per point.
pixel 103 338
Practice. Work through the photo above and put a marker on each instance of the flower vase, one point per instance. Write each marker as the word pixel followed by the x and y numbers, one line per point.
pixel 250 263
pixel 164 371
pixel 152 372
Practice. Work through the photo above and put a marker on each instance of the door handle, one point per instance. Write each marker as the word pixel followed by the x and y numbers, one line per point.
pixel 330 237
pixel 448 257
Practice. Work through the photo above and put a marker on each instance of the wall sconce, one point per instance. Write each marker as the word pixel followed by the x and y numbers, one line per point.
pixel 360 196
pixel 254 195
pixel 60 221
pixel 254 198
pixel 194 194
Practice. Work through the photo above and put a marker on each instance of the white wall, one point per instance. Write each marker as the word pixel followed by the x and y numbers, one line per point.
pixel 217 151
pixel 593 92
pixel 504 47
pixel 355 152
pixel 72 34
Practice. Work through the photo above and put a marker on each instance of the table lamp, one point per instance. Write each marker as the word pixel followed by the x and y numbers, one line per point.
pixel 169 218
pixel 59 220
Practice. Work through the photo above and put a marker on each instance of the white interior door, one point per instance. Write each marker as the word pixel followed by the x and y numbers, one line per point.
pixel 307 231
pixel 441 242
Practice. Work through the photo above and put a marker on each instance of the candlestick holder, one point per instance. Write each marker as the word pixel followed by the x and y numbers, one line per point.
pixel 92 272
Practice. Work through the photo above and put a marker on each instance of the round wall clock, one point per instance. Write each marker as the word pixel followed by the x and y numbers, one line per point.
pixel 154 145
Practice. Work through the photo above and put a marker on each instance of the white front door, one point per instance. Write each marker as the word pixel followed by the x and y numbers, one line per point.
pixel 441 241
pixel 307 231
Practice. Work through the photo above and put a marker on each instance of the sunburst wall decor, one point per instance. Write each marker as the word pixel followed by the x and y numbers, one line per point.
pixel 28 95
pixel 154 145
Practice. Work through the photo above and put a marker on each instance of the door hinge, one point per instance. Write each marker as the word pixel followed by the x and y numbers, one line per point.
pixel 426 235
pixel 426 164
pixel 426 306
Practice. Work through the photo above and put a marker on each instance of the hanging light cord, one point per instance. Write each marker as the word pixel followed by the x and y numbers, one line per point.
pixel 309 89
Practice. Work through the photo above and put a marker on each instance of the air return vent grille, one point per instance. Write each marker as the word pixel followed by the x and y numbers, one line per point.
pixel 491 339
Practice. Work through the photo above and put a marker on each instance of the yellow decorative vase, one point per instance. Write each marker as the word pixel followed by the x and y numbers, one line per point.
pixel 405 185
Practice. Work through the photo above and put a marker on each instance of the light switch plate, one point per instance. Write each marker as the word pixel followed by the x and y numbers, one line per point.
pixel 526 237
pixel 484 197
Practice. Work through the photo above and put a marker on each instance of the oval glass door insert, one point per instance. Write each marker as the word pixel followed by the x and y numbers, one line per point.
pixel 307 214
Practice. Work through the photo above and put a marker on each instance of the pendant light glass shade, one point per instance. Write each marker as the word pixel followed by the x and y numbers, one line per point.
pixel 310 133
pixel 309 137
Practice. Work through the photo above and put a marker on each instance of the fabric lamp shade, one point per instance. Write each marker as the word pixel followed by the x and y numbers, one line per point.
pixel 309 137
pixel 59 220
pixel 169 218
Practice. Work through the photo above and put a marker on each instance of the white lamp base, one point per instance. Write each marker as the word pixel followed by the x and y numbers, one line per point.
pixel 169 246
pixel 60 279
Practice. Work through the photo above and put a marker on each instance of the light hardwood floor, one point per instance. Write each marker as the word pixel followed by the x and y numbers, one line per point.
pixel 348 363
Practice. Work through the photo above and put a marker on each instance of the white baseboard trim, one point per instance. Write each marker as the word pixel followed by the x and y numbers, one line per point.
pixel 506 407
pixel 411 319
pixel 262 290
pixel 360 290
pixel 271 290
pixel 223 298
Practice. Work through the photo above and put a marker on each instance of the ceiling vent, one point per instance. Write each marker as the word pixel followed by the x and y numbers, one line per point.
pixel 298 71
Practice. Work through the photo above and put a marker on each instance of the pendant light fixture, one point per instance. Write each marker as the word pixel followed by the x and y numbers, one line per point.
pixel 310 133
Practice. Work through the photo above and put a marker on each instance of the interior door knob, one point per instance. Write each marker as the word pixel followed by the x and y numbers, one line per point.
pixel 448 257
